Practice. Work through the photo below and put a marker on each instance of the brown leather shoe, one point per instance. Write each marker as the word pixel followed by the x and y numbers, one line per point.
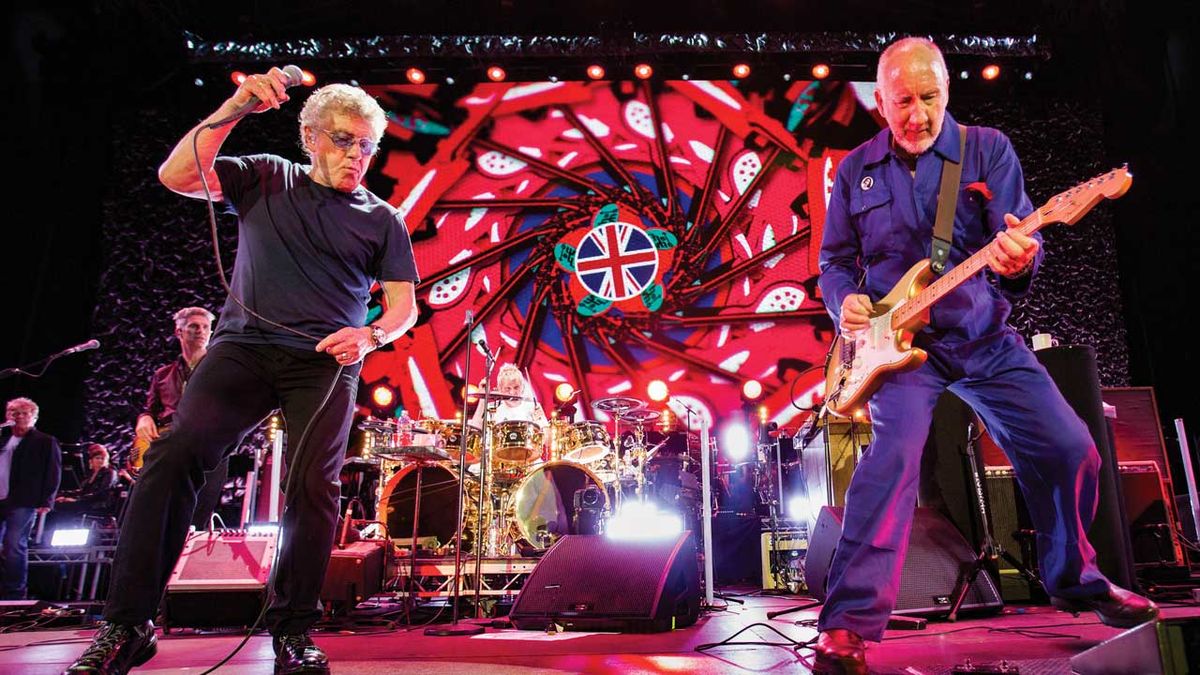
pixel 1118 607
pixel 840 651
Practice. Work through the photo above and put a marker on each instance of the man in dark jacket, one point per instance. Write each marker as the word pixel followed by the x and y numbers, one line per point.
pixel 30 468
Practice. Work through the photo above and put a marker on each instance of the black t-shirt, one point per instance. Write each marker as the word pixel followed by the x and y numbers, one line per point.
pixel 307 254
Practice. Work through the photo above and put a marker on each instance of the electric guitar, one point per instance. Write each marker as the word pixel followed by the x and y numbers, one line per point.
pixel 860 361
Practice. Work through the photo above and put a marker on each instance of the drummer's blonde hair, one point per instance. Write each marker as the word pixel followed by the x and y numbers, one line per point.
pixel 511 370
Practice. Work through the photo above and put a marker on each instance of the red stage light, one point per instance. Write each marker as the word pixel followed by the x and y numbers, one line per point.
pixel 657 390
pixel 741 71
pixel 238 77
pixel 415 75
pixel 643 71
pixel 752 390
pixel 496 74
pixel 383 396
pixel 563 392
pixel 990 71
pixel 595 71
pixel 820 71
pixel 307 78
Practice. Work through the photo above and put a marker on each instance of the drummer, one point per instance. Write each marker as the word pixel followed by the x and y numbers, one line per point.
pixel 521 407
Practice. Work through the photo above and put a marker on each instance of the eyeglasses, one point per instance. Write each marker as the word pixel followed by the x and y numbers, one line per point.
pixel 345 141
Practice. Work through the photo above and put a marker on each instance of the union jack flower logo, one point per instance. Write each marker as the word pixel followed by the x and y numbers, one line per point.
pixel 616 261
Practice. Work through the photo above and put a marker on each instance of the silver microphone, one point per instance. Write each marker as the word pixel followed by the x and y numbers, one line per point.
pixel 86 346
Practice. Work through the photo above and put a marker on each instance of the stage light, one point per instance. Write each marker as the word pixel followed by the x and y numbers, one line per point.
pixel 307 78
pixel 860 414
pixel 798 509
pixel 564 392
pixel 990 72
pixel 72 537
pixel 643 71
pixel 383 396
pixel 1028 75
pixel 962 75
pixel 735 442
pixel 820 71
pixel 657 390
pixel 415 75
pixel 752 390
pixel 595 71
pixel 449 80
pixel 496 74
pixel 741 71
pixel 238 77
pixel 262 528
pixel 198 82
pixel 641 521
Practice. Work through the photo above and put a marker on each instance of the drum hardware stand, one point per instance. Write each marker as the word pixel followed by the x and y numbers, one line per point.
pixel 455 629
pixel 485 468
pixel 989 550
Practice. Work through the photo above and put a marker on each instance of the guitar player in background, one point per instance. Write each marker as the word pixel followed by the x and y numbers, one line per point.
pixel 193 327
pixel 880 223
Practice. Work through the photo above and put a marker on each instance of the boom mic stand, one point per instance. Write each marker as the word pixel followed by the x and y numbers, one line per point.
pixel 455 628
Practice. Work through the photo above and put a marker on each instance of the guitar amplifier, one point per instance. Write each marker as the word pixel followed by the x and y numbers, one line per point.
pixel 220 579
pixel 783 559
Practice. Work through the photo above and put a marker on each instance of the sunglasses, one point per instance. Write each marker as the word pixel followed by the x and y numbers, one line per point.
pixel 345 141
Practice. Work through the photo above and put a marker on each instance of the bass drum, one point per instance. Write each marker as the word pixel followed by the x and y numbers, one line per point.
pixel 439 503
pixel 543 505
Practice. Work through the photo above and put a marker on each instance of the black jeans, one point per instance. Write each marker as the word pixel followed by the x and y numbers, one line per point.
pixel 232 390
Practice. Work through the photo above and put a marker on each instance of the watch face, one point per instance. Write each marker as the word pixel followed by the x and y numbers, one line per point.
pixel 607 234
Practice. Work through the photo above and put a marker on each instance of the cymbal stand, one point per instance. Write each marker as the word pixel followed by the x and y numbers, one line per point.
pixel 455 629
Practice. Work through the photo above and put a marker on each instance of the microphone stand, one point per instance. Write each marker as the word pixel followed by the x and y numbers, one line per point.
pixel 455 629
pixel 485 461
pixel 20 370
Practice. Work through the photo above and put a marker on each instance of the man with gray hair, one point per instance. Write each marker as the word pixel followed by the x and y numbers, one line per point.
pixel 879 224
pixel 193 328
pixel 312 241
pixel 30 470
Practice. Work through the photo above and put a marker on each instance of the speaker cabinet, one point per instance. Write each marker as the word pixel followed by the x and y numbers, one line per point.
pixel 1164 647
pixel 936 553
pixel 220 579
pixel 355 573
pixel 592 582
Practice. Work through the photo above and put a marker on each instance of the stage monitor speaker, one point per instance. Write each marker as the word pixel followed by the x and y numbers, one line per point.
pixel 220 579
pixel 590 582
pixel 936 552
pixel 1163 647
pixel 355 573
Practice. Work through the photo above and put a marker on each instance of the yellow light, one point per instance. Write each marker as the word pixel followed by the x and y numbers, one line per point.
pixel 752 390
pixel 383 396
pixel 657 390
pixel 991 71
pixel 820 71
pixel 563 392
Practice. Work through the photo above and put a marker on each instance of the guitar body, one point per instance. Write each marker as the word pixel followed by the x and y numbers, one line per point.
pixel 861 360
pixel 137 451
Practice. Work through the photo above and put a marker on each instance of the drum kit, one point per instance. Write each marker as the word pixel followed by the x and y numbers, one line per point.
pixel 538 483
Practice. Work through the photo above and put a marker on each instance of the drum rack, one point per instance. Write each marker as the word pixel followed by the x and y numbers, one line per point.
pixel 503 577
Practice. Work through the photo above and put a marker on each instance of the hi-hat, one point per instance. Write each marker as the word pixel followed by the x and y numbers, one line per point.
pixel 619 404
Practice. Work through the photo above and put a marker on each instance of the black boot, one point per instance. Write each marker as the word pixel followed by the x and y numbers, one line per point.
pixel 1116 607
pixel 296 653
pixel 115 649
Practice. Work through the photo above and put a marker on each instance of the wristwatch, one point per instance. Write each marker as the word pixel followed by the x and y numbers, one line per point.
pixel 378 336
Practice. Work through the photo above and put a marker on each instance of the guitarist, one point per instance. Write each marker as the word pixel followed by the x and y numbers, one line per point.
pixel 193 327
pixel 880 223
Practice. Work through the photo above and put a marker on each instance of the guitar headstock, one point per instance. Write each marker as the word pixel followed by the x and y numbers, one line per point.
pixel 1069 206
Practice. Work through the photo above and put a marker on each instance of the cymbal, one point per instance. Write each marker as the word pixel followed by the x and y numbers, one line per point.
pixel 618 404
pixel 497 396
pixel 412 453
pixel 376 424
pixel 640 415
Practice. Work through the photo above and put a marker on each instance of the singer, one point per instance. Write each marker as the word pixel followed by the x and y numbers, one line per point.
pixel 30 468
pixel 311 243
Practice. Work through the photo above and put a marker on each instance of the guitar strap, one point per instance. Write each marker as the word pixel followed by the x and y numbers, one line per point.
pixel 943 225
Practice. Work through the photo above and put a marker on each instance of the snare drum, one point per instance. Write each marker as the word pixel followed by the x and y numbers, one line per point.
pixel 589 442
pixel 543 505
pixel 515 441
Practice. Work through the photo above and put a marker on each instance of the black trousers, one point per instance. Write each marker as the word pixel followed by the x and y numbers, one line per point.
pixel 233 389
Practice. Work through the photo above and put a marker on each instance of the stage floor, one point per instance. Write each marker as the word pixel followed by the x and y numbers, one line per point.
pixel 1037 639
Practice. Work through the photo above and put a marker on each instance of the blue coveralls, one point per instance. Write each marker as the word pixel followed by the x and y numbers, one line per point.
pixel 880 219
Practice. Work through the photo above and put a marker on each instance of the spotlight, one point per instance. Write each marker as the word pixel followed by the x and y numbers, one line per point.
pixel 198 82
pixel 735 441
pixel 564 392
pixel 820 71
pixel 1028 75
pixel 383 396
pixel 595 71
pixel 72 537
pixel 741 71
pixel 307 78
pixel 752 390
pixel 449 80
pixel 238 77
pixel 657 390
pixel 496 74
pixel 990 72
pixel 641 521
pixel 415 75
pixel 643 71
pixel 797 508
pixel 962 75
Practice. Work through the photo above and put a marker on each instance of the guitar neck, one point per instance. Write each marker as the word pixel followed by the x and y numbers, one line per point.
pixel 968 268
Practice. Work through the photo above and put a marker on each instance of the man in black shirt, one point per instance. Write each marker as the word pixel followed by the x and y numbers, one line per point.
pixel 30 469
pixel 312 241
